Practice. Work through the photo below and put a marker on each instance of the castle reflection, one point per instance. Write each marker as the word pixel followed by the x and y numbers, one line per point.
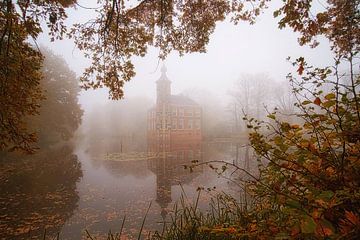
pixel 166 160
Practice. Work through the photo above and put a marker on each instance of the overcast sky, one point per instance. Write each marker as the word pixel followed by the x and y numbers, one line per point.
pixel 233 50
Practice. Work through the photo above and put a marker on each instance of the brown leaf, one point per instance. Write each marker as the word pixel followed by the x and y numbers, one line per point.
pixel 317 101
pixel 300 69
pixel 353 218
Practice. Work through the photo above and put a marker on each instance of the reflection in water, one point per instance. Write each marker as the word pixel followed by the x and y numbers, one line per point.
pixel 37 192
pixel 45 193
pixel 174 139
pixel 122 183
pixel 168 166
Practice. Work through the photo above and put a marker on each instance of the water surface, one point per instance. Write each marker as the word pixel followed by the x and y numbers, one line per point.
pixel 68 190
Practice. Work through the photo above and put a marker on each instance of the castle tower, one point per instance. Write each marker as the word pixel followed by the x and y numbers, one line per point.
pixel 163 86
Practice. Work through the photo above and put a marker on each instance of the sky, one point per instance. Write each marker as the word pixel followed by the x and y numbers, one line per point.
pixel 232 51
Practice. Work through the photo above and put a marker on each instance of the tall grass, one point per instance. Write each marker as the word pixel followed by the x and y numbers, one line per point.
pixel 222 220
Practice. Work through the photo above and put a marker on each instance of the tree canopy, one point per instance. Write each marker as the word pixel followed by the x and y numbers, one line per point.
pixel 20 66
pixel 120 31
pixel 60 113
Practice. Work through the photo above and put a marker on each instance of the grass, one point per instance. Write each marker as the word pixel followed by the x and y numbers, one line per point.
pixel 220 221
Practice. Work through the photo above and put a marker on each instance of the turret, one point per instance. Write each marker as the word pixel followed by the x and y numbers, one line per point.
pixel 163 86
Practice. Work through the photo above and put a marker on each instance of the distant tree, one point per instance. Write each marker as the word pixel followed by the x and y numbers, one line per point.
pixel 249 96
pixel 60 113
pixel 117 126
pixel 214 118
pixel 283 100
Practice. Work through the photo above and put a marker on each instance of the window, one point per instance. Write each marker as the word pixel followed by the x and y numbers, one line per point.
pixel 174 111
pixel 181 112
pixel 181 123
pixel 168 123
pixel 173 123
pixel 197 154
pixel 197 112
pixel 188 112
pixel 190 124
pixel 197 123
pixel 190 155
pixel 180 155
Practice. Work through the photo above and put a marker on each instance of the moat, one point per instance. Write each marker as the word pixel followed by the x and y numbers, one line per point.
pixel 73 190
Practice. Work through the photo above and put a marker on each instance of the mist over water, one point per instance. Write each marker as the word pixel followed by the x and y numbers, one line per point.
pixel 103 161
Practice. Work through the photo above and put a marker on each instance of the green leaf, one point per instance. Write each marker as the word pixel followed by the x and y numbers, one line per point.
pixel 325 195
pixel 272 116
pixel 330 96
pixel 282 235
pixel 293 204
pixel 306 102
pixel 278 140
pixel 329 103
pixel 276 13
pixel 308 225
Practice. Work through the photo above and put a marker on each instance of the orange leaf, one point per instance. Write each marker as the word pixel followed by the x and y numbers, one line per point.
pixel 300 69
pixel 317 101
pixel 316 214
pixel 295 230
pixel 324 228
pixel 352 218
pixel 252 227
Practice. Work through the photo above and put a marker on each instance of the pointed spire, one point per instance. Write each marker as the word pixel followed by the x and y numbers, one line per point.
pixel 163 76
pixel 163 69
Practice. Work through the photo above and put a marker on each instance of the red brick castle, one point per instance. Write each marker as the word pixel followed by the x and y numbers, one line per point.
pixel 174 122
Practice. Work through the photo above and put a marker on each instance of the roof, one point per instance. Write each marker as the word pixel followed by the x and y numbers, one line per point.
pixel 163 76
pixel 182 100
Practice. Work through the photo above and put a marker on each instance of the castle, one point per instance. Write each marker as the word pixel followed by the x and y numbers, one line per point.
pixel 174 121
pixel 174 139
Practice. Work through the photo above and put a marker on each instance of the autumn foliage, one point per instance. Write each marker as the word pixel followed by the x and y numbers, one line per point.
pixel 20 66
pixel 310 171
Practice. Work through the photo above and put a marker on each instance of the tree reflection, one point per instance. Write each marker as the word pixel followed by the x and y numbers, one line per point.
pixel 38 192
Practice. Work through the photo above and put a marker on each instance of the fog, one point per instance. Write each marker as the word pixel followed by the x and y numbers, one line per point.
pixel 210 78
pixel 111 159
pixel 233 50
